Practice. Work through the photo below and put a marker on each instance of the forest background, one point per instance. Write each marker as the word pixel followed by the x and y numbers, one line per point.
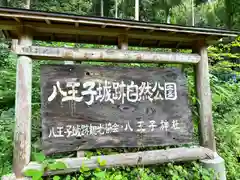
pixel 224 61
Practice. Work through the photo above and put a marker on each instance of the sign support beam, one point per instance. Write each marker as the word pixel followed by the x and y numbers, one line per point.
pixel 204 95
pixel 206 129
pixel 22 132
pixel 106 55
pixel 130 159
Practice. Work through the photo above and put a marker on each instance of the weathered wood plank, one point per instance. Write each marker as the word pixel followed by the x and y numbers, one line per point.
pixel 22 131
pixel 80 154
pixel 115 31
pixel 130 159
pixel 206 128
pixel 149 102
pixel 43 28
pixel 105 55
pixel 112 23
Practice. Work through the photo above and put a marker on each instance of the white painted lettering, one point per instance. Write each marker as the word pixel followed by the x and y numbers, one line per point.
pixel 152 125
pixel 128 127
pixel 164 125
pixel 115 91
pixel 132 92
pixel 145 92
pixel 175 125
pixel 90 91
pixel 59 132
pixel 140 127
pixel 170 91
pixel 85 130
pixel 72 93
pixel 156 89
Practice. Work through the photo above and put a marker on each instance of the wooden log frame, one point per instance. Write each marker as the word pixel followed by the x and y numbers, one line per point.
pixel 23 120
pixel 202 84
pixel 129 159
pixel 106 55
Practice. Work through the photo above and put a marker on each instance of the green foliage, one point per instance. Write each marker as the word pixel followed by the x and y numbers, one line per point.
pixel 226 113
pixel 57 165
pixel 6 139
pixel 225 93
pixel 101 162
pixel 225 60
pixel 34 174
pixel 46 164
pixel 169 171
pixel 81 7
pixel 7 77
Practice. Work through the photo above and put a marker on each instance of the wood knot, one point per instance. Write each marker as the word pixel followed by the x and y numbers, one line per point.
pixel 101 55
pixel 139 160
pixel 68 55
pixel 126 108
pixel 139 57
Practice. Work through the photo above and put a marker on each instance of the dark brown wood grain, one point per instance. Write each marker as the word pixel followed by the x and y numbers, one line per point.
pixel 64 115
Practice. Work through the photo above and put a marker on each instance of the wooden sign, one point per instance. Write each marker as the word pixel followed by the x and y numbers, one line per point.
pixel 85 107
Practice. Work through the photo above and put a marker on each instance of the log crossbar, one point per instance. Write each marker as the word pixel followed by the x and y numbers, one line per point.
pixel 105 55
pixel 129 159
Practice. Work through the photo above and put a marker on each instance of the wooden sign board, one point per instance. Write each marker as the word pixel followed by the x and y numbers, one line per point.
pixel 85 107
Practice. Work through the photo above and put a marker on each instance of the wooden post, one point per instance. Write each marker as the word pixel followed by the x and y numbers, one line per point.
pixel 69 62
pixel 204 95
pixel 206 129
pixel 80 154
pixel 22 131
pixel 123 42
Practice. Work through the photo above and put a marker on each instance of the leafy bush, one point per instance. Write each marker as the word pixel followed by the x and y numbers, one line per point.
pixel 6 139
pixel 226 115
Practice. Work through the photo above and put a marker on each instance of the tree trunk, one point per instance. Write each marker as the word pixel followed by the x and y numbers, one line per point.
pixel 102 5
pixel 116 8
pixel 168 16
pixel 169 19
pixel 137 10
pixel 96 8
pixel 193 13
pixel 124 9
pixel 27 4
pixel 229 14
pixel 3 3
